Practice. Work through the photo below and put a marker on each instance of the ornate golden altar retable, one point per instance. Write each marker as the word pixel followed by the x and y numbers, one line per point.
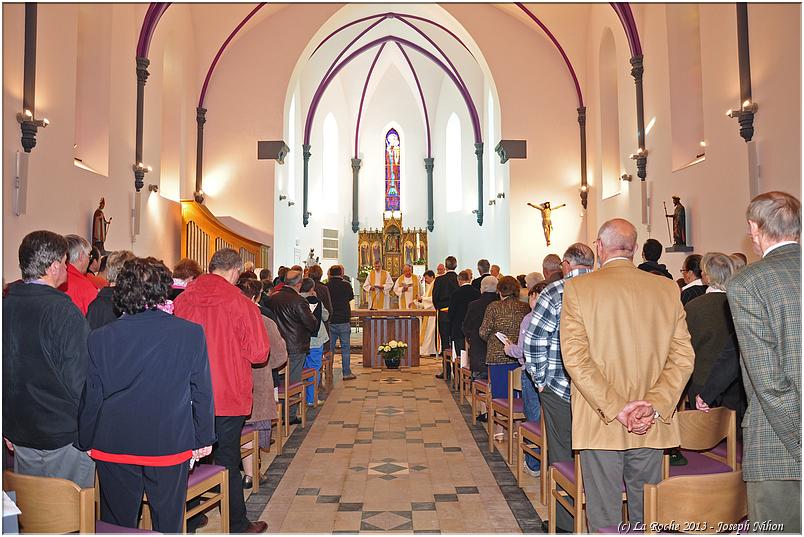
pixel 393 245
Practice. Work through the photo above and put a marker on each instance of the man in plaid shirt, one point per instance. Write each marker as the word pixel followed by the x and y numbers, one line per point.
pixel 542 350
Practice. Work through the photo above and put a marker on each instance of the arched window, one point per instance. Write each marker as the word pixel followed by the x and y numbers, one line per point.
pixel 452 165
pixel 609 118
pixel 491 186
pixel 330 165
pixel 392 183
pixel 292 143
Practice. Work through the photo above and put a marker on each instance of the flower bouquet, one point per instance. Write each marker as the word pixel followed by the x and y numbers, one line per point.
pixel 392 353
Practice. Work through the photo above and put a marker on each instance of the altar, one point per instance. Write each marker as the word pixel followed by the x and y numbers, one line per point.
pixel 381 326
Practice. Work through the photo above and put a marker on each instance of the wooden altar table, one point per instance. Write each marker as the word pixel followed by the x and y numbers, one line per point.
pixel 381 326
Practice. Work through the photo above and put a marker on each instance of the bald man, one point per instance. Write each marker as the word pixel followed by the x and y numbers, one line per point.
pixel 625 382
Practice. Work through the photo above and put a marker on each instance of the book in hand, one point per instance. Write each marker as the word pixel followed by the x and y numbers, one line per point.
pixel 502 337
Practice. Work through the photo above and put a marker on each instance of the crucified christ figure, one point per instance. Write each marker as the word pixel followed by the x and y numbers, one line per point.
pixel 547 224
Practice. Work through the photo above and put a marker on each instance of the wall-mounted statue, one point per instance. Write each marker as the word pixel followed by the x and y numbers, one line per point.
pixel 679 217
pixel 547 224
pixel 100 226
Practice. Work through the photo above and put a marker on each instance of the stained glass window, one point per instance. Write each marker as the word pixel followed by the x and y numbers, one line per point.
pixel 392 144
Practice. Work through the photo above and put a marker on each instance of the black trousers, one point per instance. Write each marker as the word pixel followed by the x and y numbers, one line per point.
pixel 227 454
pixel 444 330
pixel 121 488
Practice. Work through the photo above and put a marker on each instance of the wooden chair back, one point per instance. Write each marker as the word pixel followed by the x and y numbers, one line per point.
pixel 695 503
pixel 51 505
pixel 702 431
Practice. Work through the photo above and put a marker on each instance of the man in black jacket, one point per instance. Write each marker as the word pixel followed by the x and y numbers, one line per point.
pixel 315 273
pixel 483 267
pixel 296 323
pixel 461 298
pixel 651 252
pixel 443 288
pixel 341 295
pixel 44 365
pixel 691 271
pixel 471 326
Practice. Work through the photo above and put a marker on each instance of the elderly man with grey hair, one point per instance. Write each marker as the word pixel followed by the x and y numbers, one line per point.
pixel 765 301
pixel 551 268
pixel 78 287
pixel 483 268
pixel 625 383
pixel 544 364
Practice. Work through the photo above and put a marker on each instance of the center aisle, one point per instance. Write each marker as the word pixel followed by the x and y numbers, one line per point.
pixel 392 451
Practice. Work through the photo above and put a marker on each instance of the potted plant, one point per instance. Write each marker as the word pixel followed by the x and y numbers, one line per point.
pixel 392 353
pixel 363 272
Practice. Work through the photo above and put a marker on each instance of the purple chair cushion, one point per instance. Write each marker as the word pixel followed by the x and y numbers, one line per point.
pixel 567 469
pixel 291 387
pixel 202 472
pixel 248 428
pixel 534 427
pixel 308 371
pixel 720 450
pixel 698 464
pixel 502 402
pixel 105 527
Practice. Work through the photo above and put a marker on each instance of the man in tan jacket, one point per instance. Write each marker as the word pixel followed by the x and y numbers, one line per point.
pixel 626 347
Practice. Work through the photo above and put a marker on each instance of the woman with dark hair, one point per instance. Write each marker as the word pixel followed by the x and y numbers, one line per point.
pixel 185 271
pixel 147 406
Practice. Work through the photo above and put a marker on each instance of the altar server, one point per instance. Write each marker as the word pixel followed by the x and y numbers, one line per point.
pixel 428 342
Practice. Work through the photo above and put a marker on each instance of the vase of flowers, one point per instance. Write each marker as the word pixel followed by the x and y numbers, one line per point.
pixel 392 353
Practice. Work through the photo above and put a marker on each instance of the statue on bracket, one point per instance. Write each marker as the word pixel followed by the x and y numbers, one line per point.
pixel 679 234
pixel 312 259
pixel 100 226
pixel 547 224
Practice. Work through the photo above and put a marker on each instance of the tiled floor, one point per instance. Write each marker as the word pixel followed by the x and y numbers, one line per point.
pixel 392 451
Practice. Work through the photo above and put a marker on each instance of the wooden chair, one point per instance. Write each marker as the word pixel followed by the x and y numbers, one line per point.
pixel 566 482
pixel 533 435
pixel 701 432
pixel 51 505
pixel 203 480
pixel 481 392
pixel 504 410
pixel 310 378
pixel 464 383
pixel 280 438
pixel 327 378
pixel 289 395
pixel 696 503
pixel 446 363
pixel 250 447
pixel 201 484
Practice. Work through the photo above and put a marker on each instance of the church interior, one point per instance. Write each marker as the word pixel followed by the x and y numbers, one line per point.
pixel 343 134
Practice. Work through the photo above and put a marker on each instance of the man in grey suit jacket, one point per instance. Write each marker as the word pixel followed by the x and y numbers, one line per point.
pixel 765 301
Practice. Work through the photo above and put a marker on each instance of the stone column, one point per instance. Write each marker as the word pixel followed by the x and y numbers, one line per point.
pixel 306 154
pixel 428 166
pixel 142 77
pixel 642 155
pixel 200 119
pixel 355 175
pixel 479 154
pixel 582 127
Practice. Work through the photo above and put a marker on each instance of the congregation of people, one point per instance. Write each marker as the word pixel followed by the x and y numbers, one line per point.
pixel 117 365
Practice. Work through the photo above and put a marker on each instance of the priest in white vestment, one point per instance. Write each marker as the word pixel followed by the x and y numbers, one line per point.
pixel 407 288
pixel 428 342
pixel 378 285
